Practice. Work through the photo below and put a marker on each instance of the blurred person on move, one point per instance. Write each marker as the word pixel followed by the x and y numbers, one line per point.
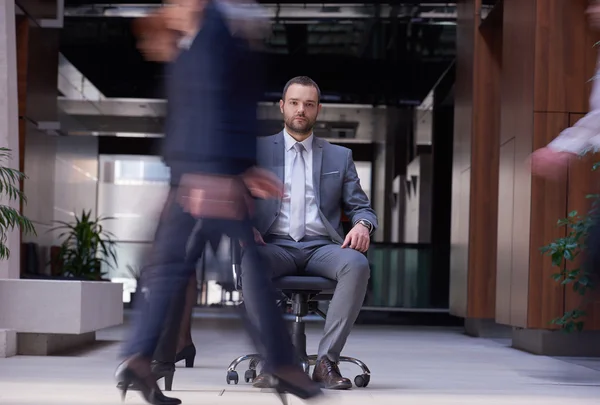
pixel 552 161
pixel 157 35
pixel 210 146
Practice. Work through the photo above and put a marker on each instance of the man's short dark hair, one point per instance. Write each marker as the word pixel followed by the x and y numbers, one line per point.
pixel 302 81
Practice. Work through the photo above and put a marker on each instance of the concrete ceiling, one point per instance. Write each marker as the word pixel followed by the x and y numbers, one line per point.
pixel 360 52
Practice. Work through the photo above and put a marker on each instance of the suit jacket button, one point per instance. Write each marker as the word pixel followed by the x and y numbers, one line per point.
pixel 277 213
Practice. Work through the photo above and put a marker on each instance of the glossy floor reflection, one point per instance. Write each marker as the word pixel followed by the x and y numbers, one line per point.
pixel 409 366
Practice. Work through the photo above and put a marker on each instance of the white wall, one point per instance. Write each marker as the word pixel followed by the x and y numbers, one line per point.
pixel 39 167
pixel 417 221
pixel 61 181
pixel 76 176
pixel 364 171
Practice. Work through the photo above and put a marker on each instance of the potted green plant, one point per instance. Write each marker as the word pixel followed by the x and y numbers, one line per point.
pixel 567 250
pixel 85 247
pixel 11 218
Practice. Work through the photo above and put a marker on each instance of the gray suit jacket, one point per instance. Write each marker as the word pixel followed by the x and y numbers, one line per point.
pixel 336 184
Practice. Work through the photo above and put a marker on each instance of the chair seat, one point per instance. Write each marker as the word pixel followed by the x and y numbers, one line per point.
pixel 305 283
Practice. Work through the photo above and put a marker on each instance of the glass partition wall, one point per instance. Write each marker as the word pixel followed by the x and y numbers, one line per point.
pixel 132 190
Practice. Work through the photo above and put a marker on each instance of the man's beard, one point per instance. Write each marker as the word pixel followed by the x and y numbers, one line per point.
pixel 303 128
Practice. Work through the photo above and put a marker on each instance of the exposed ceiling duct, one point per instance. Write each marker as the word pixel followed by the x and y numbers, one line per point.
pixel 443 13
pixel 359 52
pixel 145 118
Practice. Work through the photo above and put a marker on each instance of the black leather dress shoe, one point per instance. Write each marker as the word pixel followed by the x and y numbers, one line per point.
pixel 328 374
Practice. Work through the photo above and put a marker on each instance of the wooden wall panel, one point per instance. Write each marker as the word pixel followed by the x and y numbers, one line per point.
pixel 517 126
pixel 484 172
pixel 475 170
pixel 22 47
pixel 547 60
pixel 459 258
pixel 463 104
pixel 563 59
pixel 581 182
pixel 22 37
pixel 517 69
pixel 549 203
pixel 22 28
pixel 461 159
pixel 506 194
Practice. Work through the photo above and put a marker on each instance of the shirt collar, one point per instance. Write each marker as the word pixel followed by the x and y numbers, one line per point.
pixel 290 142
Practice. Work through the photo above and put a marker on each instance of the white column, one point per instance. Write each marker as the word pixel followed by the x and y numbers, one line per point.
pixel 9 118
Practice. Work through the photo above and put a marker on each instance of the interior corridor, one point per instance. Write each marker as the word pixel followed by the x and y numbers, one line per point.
pixel 409 365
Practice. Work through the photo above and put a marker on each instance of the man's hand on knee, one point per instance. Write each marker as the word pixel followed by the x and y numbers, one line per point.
pixel 358 239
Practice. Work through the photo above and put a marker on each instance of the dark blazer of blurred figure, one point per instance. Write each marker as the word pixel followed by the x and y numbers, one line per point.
pixel 213 87
pixel 218 110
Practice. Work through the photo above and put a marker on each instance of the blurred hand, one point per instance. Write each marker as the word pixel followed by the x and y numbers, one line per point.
pixel 358 239
pixel 263 183
pixel 211 196
pixel 550 164
pixel 155 40
pixel 593 12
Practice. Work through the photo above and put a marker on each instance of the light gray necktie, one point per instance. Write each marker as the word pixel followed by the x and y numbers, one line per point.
pixel 298 195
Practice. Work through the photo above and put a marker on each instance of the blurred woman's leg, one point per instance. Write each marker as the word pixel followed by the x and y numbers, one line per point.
pixel 185 345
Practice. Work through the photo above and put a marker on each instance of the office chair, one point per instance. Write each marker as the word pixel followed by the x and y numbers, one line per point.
pixel 303 294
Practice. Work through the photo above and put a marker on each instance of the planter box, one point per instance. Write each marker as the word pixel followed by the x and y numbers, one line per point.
pixel 50 315
pixel 8 343
pixel 56 278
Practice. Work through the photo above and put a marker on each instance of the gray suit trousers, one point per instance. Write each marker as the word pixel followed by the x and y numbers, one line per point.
pixel 324 258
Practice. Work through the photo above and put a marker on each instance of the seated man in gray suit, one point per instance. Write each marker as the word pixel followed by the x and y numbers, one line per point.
pixel 302 232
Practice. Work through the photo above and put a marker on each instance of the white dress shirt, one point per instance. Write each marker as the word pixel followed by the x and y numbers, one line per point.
pixel 584 136
pixel 314 224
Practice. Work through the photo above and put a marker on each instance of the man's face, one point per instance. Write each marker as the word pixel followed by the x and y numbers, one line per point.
pixel 300 108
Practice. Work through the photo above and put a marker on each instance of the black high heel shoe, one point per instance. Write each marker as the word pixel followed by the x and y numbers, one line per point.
pixel 159 370
pixel 296 382
pixel 188 354
pixel 137 372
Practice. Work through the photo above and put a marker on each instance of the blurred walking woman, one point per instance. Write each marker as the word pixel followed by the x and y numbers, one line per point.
pixel 210 146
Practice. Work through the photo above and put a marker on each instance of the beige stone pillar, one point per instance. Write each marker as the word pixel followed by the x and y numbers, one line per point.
pixel 9 118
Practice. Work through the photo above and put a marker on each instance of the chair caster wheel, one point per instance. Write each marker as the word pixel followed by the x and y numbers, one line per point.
pixel 232 376
pixel 362 381
pixel 250 376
